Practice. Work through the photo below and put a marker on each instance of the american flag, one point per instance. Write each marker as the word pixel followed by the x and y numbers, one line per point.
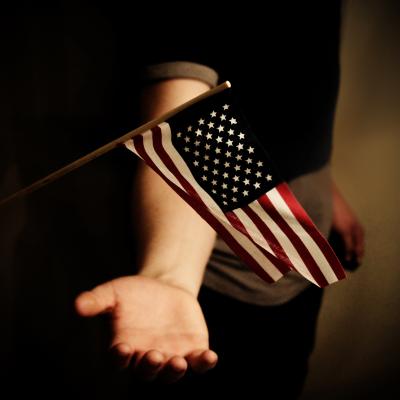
pixel 208 154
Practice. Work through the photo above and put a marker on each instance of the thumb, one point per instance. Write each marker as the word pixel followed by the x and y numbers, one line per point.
pixel 99 300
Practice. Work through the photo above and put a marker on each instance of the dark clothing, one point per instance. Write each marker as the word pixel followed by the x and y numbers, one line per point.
pixel 264 350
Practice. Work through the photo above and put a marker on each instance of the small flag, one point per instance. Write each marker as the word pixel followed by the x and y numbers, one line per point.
pixel 208 154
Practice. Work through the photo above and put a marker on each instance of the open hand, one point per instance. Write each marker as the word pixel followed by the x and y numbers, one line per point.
pixel 158 329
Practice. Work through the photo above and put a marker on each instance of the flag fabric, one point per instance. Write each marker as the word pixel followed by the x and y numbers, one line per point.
pixel 208 154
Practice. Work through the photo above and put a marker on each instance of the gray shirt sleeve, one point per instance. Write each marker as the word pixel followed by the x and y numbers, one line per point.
pixel 180 69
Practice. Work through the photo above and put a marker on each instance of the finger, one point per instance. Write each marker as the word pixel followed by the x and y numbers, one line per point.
pixel 359 241
pixel 121 355
pixel 173 370
pixel 201 361
pixel 98 300
pixel 149 364
pixel 348 245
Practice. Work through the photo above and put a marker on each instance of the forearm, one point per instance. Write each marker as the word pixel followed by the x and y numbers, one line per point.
pixel 174 243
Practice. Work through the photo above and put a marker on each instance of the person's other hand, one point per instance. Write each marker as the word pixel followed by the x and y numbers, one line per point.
pixel 347 225
pixel 158 329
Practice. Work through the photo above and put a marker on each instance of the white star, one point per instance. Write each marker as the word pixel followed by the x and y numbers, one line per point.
pixel 214 191
pixel 225 203
pixel 196 143
pixel 187 139
pixel 198 132
pixel 258 174
pixel 213 114
pixel 228 154
pixel 241 135
pixel 225 106
pixel 211 124
pixel 238 157
pixel 247 170
pixel 186 149
pixel 223 117
pixel 240 146
pixel 208 136
pixel 220 128
pixel 257 185
pixel 224 196
pixel 219 139
pixel 234 199
pixel 225 175
pixel 224 186
pixel 196 153
pixel 208 146
pixel 196 163
pixel 231 131
pixel 260 164
pixel 269 178
pixel 227 164
pixel 250 149
pixel 246 182
pixel 245 193
pixel 233 121
pixel 206 157
pixel 204 178
pixel 218 150
pixel 229 142
pixel 237 167
pixel 215 171
pixel 201 121
pixel 216 161
pixel 235 178
pixel 189 129
pixel 179 134
pixel 205 168
pixel 213 182
pixel 249 161
pixel 234 189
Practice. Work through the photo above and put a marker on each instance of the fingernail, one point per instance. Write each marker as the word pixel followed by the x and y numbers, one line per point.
pixel 87 302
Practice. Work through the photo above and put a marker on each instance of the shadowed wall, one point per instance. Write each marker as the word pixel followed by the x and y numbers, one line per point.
pixel 358 349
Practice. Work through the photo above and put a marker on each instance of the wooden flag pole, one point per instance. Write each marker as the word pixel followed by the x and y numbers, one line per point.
pixel 110 146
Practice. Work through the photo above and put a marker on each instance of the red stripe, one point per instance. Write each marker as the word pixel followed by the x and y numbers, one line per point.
pixel 157 144
pixel 306 222
pixel 268 236
pixel 198 205
pixel 237 224
pixel 304 253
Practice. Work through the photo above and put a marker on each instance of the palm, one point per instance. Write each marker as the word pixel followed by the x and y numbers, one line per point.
pixel 152 315
pixel 157 327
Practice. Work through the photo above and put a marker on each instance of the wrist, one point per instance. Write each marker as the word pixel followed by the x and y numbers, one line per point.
pixel 172 278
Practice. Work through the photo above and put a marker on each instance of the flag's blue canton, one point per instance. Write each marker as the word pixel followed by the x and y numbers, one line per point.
pixel 222 153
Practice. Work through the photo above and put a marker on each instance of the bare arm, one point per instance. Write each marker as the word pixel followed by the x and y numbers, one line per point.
pixel 158 327
pixel 174 241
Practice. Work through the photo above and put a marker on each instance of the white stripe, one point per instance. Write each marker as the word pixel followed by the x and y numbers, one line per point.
pixel 148 146
pixel 283 240
pixel 130 146
pixel 213 207
pixel 253 231
pixel 307 240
